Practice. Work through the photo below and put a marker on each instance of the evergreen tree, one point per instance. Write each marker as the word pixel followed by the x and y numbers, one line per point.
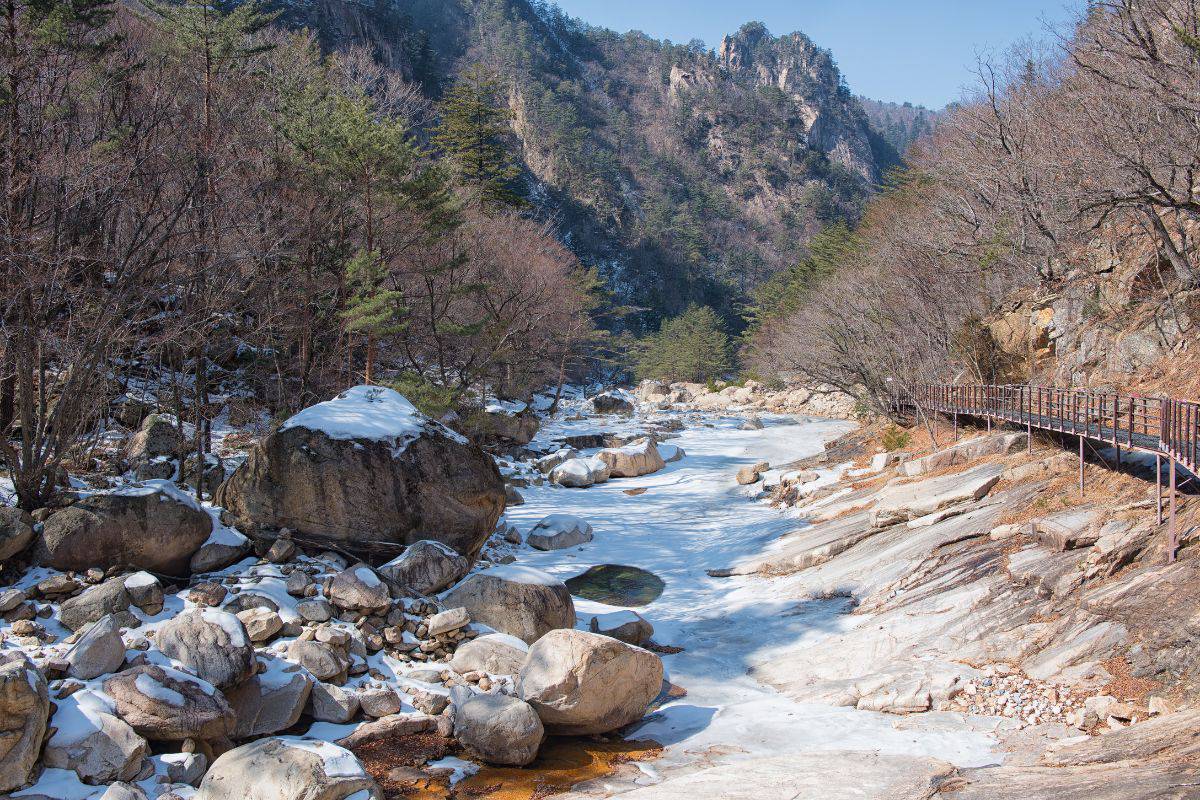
pixel 832 247
pixel 690 347
pixel 473 133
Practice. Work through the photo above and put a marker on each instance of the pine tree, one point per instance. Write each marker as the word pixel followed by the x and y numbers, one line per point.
pixel 473 133
pixel 690 347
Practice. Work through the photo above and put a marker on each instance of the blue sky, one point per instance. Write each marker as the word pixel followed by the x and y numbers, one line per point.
pixel 916 50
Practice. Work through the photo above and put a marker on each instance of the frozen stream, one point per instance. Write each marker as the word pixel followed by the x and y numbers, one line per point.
pixel 693 517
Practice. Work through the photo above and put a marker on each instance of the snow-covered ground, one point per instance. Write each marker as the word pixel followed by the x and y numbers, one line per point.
pixel 693 517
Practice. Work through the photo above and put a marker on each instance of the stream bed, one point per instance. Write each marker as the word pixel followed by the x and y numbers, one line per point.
pixel 692 516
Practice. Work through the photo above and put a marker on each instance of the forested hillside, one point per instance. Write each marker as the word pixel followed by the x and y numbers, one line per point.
pixel 685 175
pixel 1046 232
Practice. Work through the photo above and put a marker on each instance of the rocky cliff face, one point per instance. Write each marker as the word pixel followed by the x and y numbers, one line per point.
pixel 833 120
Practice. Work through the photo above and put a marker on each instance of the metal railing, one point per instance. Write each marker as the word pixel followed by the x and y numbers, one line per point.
pixel 1163 426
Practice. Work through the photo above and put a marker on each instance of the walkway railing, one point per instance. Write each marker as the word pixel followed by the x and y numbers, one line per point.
pixel 1165 427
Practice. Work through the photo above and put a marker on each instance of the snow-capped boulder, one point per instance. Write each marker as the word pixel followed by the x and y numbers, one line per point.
pixel 24 709
pixel 360 589
pixel 504 422
pixel 499 729
pixel 548 462
pixel 97 602
pixel 223 548
pixel 164 704
pixel 639 457
pixel 580 473
pixel 559 531
pixel 271 701
pixel 211 643
pixel 615 402
pixel 98 652
pixel 152 526
pixel 424 568
pixel 93 743
pixel 288 768
pixel 670 453
pixel 16 531
pixel 628 626
pixel 493 653
pixel 582 683
pixel 364 467
pixel 520 601
pixel 145 592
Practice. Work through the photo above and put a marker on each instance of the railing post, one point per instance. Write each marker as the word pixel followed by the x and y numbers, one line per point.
pixel 1173 534
pixel 1158 485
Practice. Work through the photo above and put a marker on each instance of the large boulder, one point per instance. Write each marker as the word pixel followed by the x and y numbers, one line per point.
pixel 211 643
pixel 152 526
pixel 559 531
pixel 615 402
pixel 158 436
pixel 271 701
pixel 164 704
pixel 93 743
pixel 583 683
pixel 504 424
pixel 288 768
pixel 425 568
pixel 359 588
pixel 580 473
pixel 367 467
pixel 24 709
pixel 493 653
pixel 97 602
pixel 520 601
pixel 98 652
pixel 499 729
pixel 639 457
pixel 16 531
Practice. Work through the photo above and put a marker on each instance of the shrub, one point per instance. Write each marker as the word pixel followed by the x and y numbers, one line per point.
pixel 895 438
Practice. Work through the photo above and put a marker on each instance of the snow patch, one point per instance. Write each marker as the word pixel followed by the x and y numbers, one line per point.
pixel 228 623
pixel 371 413
pixel 151 688
pixel 337 762
pixel 518 574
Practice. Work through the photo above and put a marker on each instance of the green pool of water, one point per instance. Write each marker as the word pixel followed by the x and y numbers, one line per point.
pixel 617 585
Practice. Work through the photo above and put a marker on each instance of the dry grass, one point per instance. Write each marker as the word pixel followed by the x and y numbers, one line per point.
pixel 1124 686
pixel 1102 486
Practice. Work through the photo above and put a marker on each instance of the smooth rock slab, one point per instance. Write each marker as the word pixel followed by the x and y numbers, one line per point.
pixel 900 502
pixel 271 701
pixel 833 775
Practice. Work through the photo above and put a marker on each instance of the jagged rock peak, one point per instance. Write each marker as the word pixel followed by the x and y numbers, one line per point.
pixel 807 74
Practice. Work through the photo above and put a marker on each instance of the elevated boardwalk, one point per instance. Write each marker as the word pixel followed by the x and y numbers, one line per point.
pixel 1162 426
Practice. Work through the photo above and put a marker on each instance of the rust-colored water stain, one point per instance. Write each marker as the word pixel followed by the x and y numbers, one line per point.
pixel 564 762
